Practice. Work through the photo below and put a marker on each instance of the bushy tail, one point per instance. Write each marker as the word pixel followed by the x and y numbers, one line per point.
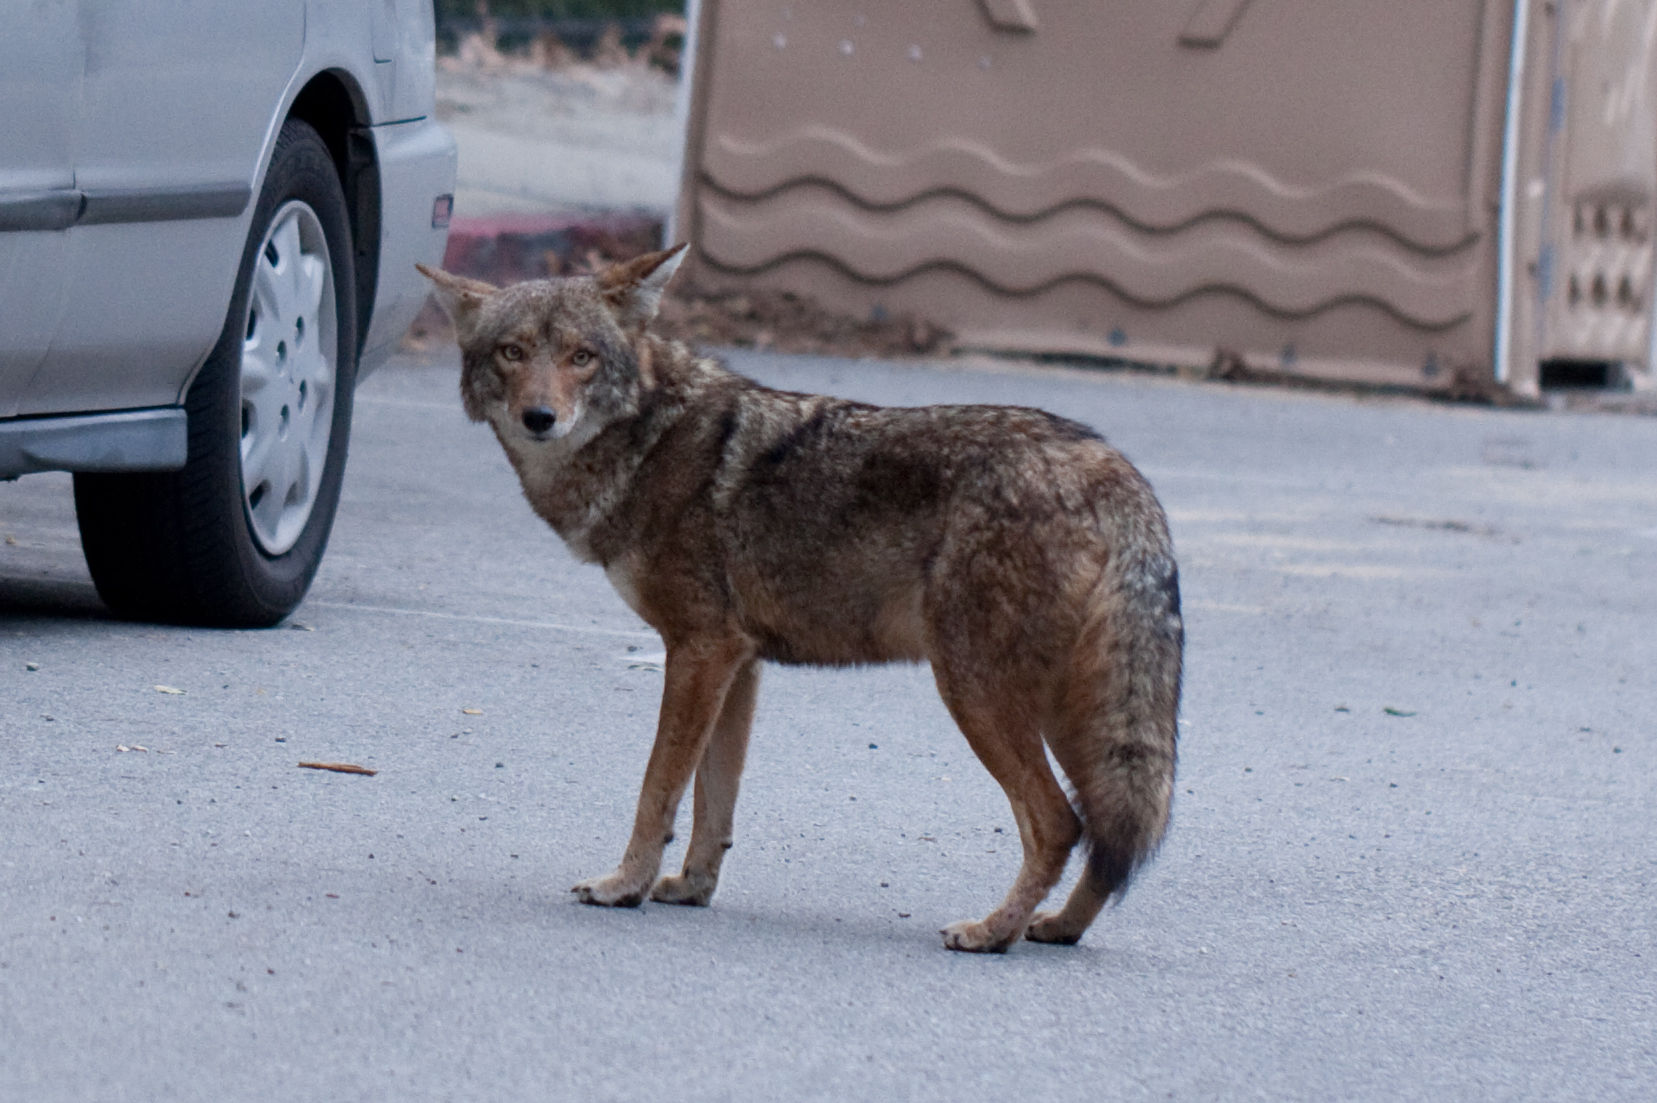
pixel 1118 716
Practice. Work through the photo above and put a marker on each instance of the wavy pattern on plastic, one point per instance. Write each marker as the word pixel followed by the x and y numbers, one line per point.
pixel 1092 177
pixel 1027 258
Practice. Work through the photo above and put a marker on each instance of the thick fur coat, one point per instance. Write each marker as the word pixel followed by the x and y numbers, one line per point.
pixel 1015 551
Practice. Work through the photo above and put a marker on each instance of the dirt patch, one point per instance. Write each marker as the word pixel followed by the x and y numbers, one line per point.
pixel 787 322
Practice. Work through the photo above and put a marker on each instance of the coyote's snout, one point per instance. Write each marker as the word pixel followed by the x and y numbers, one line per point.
pixel 1015 551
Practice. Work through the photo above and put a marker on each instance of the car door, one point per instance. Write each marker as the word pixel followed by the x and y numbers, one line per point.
pixel 40 71
pixel 178 102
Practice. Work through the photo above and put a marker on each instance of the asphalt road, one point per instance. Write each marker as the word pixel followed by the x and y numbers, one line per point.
pixel 1412 858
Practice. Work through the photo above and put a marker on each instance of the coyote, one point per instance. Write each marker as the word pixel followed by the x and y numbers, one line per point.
pixel 1015 551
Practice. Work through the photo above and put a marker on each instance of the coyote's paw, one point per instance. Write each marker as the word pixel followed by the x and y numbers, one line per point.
pixel 973 937
pixel 610 892
pixel 679 889
pixel 1047 927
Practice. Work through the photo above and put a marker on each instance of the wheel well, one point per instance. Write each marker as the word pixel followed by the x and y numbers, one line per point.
pixel 333 106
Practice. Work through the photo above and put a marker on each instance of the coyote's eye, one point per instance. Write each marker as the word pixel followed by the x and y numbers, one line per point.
pixel 581 358
pixel 511 352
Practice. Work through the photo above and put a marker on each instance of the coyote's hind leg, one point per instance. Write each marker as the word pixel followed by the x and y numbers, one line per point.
pixel 1007 739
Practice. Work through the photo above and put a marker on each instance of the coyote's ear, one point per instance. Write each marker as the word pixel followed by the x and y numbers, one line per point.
pixel 633 289
pixel 459 296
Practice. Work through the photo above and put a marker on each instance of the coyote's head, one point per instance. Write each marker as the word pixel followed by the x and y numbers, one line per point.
pixel 545 359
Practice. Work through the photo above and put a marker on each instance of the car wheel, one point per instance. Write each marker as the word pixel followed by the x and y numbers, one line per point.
pixel 235 537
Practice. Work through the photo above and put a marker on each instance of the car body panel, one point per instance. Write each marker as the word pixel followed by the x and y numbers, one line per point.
pixel 135 325
pixel 222 91
pixel 38 68
pixel 348 38
pixel 405 52
pixel 167 194
pixel 120 237
pixel 33 269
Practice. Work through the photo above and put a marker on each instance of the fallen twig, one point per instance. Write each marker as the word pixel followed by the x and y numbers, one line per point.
pixel 339 768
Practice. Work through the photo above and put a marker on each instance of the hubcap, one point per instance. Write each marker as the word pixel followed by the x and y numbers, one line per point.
pixel 288 352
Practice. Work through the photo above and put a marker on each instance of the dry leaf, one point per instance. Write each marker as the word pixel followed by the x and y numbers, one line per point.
pixel 173 690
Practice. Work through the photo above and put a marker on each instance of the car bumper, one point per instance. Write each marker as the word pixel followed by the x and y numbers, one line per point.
pixel 416 161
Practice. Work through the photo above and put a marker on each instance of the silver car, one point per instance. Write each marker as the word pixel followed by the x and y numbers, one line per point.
pixel 209 219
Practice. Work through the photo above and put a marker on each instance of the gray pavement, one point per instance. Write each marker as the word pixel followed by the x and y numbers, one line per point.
pixel 1413 852
pixel 580 138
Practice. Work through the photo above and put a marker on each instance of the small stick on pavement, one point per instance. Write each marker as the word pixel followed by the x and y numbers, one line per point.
pixel 339 768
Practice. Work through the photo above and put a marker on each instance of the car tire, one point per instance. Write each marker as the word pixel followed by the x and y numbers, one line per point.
pixel 234 538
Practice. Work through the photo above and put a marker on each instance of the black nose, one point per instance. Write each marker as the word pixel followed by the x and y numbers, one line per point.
pixel 538 419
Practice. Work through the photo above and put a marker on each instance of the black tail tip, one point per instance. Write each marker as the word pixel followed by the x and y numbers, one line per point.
pixel 1111 868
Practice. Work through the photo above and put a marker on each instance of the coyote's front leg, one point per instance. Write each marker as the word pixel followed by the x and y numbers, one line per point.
pixel 718 775
pixel 699 675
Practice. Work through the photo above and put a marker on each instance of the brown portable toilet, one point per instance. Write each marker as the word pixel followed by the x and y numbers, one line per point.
pixel 1439 195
